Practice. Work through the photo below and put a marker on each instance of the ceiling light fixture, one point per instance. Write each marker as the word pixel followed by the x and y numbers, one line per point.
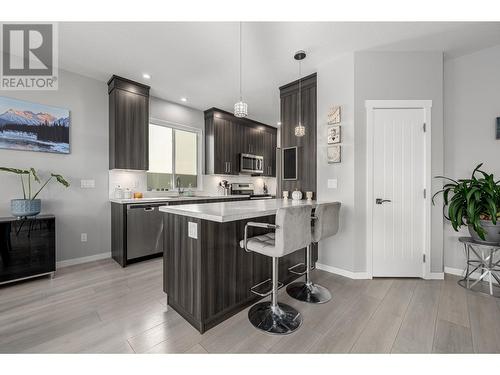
pixel 241 108
pixel 278 123
pixel 184 99
pixel 300 130
pixel 146 76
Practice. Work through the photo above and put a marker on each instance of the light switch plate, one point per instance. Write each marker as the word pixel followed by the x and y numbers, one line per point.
pixel 332 183
pixel 193 230
pixel 87 184
pixel 83 237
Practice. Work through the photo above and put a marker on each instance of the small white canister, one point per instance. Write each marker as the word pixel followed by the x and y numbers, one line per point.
pixel 297 195
pixel 118 192
pixel 127 194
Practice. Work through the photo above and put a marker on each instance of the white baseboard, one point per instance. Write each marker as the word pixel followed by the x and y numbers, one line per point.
pixel 460 272
pixel 365 275
pixel 341 272
pixel 90 258
pixel 454 271
pixel 435 276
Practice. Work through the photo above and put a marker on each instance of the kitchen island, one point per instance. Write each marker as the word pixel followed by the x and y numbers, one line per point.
pixel 207 276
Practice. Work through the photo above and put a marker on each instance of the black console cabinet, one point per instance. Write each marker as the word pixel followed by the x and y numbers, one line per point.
pixel 27 247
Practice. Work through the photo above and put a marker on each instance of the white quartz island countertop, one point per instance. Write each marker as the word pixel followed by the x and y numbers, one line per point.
pixel 232 211
pixel 175 198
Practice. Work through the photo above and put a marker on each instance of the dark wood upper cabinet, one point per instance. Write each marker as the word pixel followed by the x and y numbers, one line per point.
pixel 128 124
pixel 227 137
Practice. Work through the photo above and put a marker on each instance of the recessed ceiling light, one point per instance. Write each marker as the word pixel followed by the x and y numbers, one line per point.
pixel 146 76
pixel 278 123
pixel 184 100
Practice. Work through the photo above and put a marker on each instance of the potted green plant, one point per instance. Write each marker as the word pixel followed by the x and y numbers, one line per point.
pixel 474 202
pixel 30 205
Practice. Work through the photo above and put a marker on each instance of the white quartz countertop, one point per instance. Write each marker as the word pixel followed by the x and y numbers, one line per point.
pixel 232 211
pixel 174 198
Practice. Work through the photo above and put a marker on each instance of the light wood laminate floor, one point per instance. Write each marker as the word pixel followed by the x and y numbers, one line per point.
pixel 100 307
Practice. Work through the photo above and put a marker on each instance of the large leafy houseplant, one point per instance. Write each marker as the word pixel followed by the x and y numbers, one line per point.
pixel 30 205
pixel 473 202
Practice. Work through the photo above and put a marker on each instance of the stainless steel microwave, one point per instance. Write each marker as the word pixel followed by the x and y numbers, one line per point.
pixel 253 164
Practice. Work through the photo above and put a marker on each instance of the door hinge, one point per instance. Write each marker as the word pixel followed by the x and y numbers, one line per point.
pixel 425 193
pixel 423 258
pixel 424 127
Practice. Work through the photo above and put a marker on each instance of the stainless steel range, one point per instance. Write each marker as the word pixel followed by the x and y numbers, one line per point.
pixel 247 189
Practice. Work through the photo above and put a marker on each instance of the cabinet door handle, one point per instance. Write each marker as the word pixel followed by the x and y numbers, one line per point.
pixel 381 201
pixel 229 163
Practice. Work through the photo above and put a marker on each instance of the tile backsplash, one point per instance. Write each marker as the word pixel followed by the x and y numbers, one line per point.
pixel 137 181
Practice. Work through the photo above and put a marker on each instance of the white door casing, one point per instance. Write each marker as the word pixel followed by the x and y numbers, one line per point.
pixel 398 169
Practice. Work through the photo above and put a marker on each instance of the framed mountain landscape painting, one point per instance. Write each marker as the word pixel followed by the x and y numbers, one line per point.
pixel 33 127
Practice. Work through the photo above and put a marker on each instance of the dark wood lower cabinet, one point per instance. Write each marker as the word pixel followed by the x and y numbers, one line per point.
pixel 27 247
pixel 208 279
pixel 119 245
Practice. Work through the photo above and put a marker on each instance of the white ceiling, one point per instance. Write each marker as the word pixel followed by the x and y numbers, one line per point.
pixel 200 60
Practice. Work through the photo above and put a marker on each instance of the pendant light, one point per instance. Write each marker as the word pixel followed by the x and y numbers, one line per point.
pixel 241 108
pixel 300 130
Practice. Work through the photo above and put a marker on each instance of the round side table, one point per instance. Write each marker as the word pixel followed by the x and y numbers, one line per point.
pixel 483 260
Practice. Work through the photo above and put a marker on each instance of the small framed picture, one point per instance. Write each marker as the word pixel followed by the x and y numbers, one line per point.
pixel 334 115
pixel 334 154
pixel 334 134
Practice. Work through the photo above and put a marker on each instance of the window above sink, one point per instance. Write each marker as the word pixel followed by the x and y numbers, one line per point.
pixel 174 157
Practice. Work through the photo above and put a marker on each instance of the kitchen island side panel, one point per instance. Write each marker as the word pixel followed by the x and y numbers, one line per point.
pixel 208 279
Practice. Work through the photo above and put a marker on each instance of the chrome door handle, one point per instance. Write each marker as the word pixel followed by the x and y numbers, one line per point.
pixel 380 200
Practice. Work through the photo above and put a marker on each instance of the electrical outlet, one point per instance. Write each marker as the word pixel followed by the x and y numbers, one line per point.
pixel 332 183
pixel 193 230
pixel 84 237
pixel 87 184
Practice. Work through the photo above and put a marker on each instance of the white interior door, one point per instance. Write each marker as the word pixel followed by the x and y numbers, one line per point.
pixel 398 192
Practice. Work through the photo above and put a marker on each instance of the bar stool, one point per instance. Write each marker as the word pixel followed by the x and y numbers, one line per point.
pixel 325 224
pixel 292 232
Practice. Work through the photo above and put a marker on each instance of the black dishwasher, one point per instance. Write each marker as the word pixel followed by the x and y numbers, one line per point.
pixel 144 230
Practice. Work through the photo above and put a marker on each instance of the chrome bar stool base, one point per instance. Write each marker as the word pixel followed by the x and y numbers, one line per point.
pixel 311 293
pixel 280 320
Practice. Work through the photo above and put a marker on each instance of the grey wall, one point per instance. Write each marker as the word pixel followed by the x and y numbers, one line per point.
pixel 471 102
pixel 397 75
pixel 77 210
pixel 336 87
pixel 178 114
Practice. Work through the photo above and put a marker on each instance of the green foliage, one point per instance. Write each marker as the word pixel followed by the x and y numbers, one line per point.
pixel 15 170
pixel 471 200
pixel 33 173
pixel 60 179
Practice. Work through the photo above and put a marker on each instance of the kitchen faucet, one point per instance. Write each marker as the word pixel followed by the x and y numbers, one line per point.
pixel 178 185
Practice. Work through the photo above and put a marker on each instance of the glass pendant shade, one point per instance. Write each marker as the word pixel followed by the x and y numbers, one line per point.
pixel 300 130
pixel 241 109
